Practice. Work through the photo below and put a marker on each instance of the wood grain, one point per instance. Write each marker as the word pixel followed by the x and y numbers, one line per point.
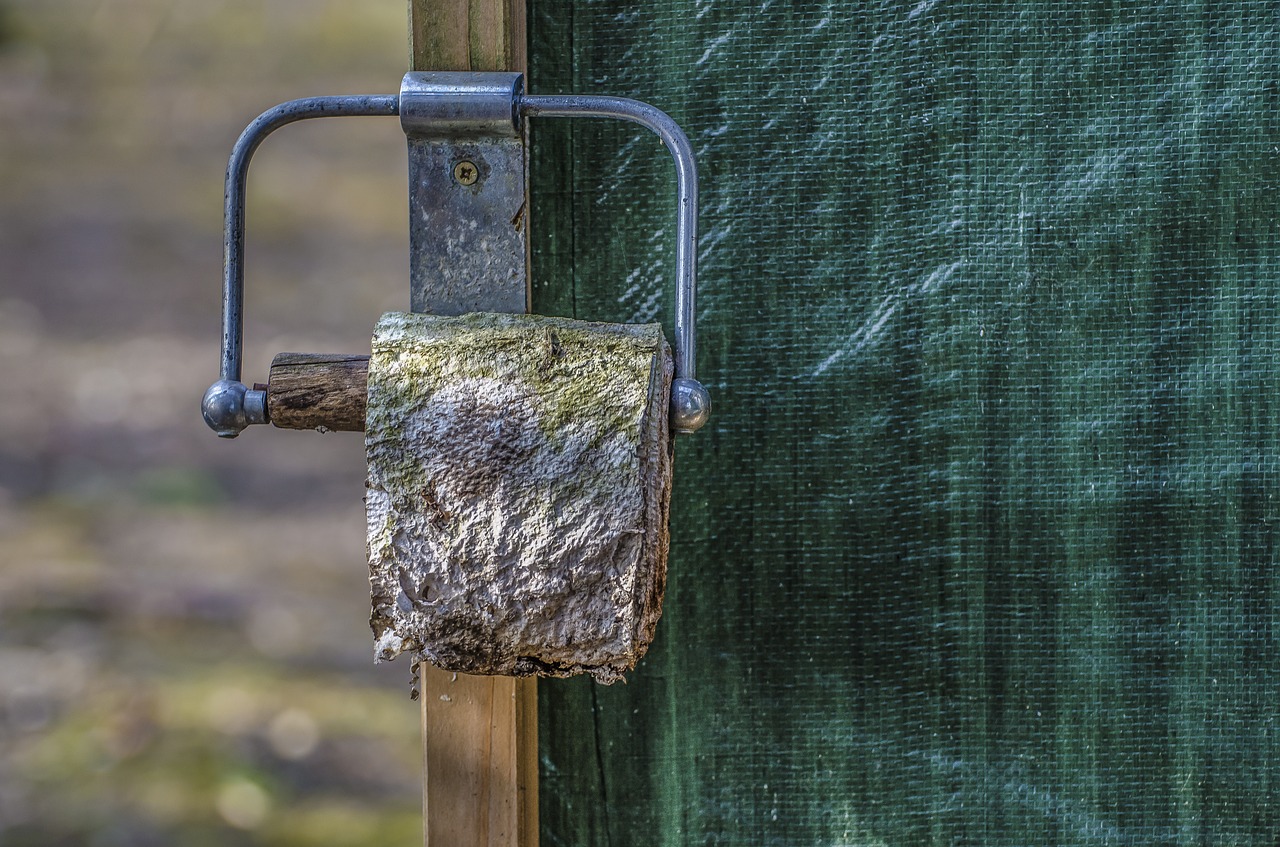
pixel 474 794
pixel 470 35
pixel 325 391
pixel 480 780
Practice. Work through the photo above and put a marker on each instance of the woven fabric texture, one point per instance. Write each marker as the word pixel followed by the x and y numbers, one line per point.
pixel 980 546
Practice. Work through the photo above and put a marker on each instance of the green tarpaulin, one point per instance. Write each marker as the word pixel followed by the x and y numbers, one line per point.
pixel 979 547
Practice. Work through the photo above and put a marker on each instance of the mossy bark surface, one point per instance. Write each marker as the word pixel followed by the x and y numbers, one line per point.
pixel 519 476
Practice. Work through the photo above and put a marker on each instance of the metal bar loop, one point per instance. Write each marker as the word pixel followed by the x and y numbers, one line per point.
pixel 237 178
pixel 467 102
pixel 677 144
pixel 690 403
pixel 228 406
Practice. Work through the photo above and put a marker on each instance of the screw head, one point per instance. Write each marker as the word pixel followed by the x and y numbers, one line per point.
pixel 466 173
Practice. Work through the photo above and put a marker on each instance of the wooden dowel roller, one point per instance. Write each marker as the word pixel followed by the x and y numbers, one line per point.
pixel 325 391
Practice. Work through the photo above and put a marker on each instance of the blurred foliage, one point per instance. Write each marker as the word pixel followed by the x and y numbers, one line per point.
pixel 8 25
pixel 176 487
pixel 184 648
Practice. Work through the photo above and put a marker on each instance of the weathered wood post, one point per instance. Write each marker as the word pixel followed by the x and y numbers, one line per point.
pixel 480 760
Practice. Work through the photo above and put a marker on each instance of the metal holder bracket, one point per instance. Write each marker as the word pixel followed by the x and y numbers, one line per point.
pixel 466 200
pixel 466 192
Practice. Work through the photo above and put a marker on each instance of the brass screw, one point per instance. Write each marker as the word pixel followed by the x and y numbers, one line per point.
pixel 466 173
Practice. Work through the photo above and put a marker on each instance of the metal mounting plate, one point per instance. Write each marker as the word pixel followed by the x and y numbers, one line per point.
pixel 467 241
pixel 468 245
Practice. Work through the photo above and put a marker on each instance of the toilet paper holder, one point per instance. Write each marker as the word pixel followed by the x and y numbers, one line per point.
pixel 449 112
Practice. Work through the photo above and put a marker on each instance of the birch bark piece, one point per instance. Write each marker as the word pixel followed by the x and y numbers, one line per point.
pixel 519 481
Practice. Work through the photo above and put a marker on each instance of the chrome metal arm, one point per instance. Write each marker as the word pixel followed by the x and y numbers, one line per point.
pixel 690 402
pixel 228 406
pixel 457 104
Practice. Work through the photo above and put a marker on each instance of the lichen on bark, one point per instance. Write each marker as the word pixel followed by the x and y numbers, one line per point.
pixel 519 477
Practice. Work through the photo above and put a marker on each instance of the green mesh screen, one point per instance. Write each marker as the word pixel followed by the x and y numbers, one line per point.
pixel 980 547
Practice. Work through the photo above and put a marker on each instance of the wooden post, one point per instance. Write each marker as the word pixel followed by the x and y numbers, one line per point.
pixel 480 734
pixel 467 35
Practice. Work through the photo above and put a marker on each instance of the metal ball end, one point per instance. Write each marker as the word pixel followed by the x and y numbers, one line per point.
pixel 690 405
pixel 223 408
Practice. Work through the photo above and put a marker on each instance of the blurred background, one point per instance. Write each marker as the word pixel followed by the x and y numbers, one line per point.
pixel 184 649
